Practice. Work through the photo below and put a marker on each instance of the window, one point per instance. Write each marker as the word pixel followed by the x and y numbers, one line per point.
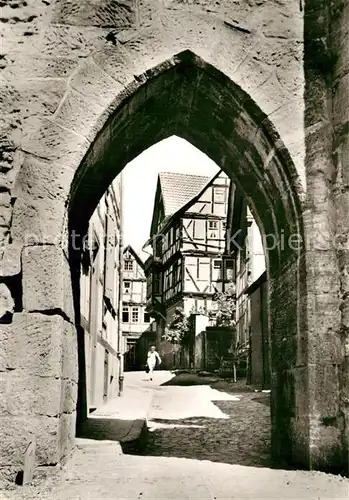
pixel 95 247
pixel 219 195
pixel 157 283
pixel 146 318
pixel 199 229
pixel 158 246
pixel 128 265
pixel 217 264
pixel 135 314
pixel 127 286
pixel 125 315
pixel 224 225
pixel 212 224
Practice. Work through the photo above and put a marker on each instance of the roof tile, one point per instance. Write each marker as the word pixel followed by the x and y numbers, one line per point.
pixel 179 189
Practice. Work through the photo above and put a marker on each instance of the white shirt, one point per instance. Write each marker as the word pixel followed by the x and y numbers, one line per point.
pixel 152 356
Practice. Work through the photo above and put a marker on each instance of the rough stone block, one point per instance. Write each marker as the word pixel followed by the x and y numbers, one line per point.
pixel 7 304
pixel 116 62
pixel 340 101
pixel 324 392
pixel 70 353
pixel 69 396
pixel 29 463
pixel 251 75
pixel 45 279
pixel 66 435
pixel 11 260
pixel 35 97
pixel 103 13
pixel 93 83
pixel 52 142
pixel 63 41
pixel 47 440
pixel 28 394
pixel 34 66
pixel 18 432
pixel 33 342
pixel 42 188
pixel 80 114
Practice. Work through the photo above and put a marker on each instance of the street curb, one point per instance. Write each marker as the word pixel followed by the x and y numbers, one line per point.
pixel 136 445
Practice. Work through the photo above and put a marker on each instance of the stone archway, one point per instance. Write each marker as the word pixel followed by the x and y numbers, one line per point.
pixel 265 173
pixel 187 97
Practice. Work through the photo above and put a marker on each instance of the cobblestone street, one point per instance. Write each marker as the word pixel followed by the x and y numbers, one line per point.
pixel 243 438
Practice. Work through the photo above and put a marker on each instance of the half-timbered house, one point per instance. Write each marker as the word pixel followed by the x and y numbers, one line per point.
pixel 101 267
pixel 135 319
pixel 188 240
pixel 244 248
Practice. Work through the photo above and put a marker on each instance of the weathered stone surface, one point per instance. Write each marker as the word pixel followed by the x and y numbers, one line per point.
pixel 69 114
pixel 10 260
pixel 37 66
pixel 340 108
pixel 66 435
pixel 41 190
pixel 52 142
pixel 44 287
pixel 40 96
pixel 103 13
pixel 7 304
pixel 29 463
pixel 69 396
pixel 95 84
pixel 70 354
pixel 27 394
pixel 18 432
pixel 33 342
pixel 63 41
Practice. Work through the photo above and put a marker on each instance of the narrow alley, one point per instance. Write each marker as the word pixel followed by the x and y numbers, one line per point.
pixel 190 428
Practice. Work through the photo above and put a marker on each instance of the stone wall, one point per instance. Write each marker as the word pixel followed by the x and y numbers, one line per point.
pixel 259 344
pixel 326 118
pixel 340 115
pixel 86 87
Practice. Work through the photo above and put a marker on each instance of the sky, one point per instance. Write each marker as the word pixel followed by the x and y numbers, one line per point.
pixel 140 178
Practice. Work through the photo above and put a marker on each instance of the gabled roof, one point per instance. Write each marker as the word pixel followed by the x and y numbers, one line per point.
pixel 186 205
pixel 178 189
pixel 128 248
pixel 174 191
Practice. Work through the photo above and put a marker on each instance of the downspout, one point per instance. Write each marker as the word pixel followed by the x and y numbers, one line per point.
pixel 121 267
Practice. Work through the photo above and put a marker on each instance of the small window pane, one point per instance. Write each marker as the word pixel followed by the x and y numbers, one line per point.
pixel 135 315
pixel 125 315
pixel 128 265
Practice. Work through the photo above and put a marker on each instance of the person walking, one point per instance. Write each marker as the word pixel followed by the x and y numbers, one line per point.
pixel 152 357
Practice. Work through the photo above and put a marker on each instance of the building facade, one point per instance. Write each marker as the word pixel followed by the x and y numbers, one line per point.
pixel 135 320
pixel 187 240
pixel 244 248
pixel 100 298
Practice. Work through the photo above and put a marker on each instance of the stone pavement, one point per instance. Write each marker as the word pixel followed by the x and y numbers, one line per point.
pixel 99 470
pixel 124 418
pixel 199 422
pixel 100 475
